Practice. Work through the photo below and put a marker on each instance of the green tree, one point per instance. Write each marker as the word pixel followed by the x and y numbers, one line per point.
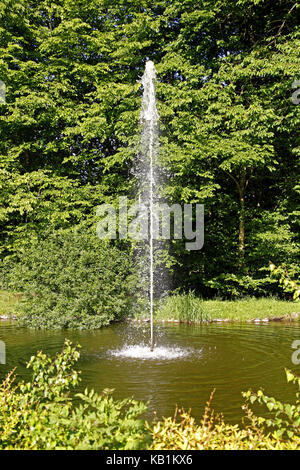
pixel 229 130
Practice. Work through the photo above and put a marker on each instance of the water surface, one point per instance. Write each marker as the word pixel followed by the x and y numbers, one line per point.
pixel 190 362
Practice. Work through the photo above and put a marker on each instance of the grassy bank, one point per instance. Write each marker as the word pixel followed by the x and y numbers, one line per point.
pixel 251 309
pixel 189 308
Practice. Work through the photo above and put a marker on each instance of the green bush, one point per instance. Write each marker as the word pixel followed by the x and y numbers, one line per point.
pixel 213 433
pixel 40 415
pixel 72 280
pixel 285 420
pixel 232 286
pixel 287 284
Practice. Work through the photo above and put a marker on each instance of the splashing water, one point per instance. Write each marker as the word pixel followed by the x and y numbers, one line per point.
pixel 133 345
pixel 145 352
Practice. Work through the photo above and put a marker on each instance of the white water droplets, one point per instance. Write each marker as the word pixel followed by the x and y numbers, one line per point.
pixel 143 352
pixel 149 114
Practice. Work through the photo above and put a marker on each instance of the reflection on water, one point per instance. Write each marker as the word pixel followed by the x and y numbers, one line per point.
pixel 188 363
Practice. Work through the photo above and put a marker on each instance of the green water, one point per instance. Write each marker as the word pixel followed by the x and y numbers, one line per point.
pixel 229 358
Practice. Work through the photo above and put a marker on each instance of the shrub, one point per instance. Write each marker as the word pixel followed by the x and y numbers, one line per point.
pixel 40 415
pixel 72 280
pixel 213 433
pixel 285 422
pixel 232 286
pixel 288 285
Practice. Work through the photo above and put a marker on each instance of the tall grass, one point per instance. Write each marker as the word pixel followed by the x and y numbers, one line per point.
pixel 182 307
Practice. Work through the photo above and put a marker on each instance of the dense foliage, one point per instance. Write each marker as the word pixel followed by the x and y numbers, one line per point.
pixel 72 280
pixel 285 280
pixel 285 420
pixel 229 128
pixel 40 414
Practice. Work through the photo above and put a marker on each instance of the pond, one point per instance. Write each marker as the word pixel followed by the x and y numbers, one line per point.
pixel 194 360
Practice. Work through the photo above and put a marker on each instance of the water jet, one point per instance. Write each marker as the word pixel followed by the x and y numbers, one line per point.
pixel 149 121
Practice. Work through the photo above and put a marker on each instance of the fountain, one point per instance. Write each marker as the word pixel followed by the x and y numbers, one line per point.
pixel 150 176
pixel 147 174
pixel 149 121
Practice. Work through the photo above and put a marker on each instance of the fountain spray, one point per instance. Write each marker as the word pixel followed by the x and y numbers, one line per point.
pixel 149 120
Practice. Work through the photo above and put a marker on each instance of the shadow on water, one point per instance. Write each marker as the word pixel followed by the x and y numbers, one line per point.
pixel 188 362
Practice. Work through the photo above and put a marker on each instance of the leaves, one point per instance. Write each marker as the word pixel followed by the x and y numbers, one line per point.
pixel 229 131
pixel 285 420
pixel 40 415
pixel 72 280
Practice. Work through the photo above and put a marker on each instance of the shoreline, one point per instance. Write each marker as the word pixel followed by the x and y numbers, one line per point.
pixel 189 309
pixel 288 318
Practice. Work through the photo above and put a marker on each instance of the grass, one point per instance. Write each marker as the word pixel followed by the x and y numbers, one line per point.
pixel 8 301
pixel 250 308
pixel 183 308
pixel 189 308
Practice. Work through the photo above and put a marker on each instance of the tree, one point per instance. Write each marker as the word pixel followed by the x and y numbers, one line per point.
pixel 229 130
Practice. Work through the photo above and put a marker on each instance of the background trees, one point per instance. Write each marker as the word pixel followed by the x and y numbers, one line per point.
pixel 229 130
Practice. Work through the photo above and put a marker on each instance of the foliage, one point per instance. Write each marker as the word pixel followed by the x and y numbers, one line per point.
pixel 8 302
pixel 214 433
pixel 40 414
pixel 286 417
pixel 72 280
pixel 229 130
pixel 235 286
pixel 288 284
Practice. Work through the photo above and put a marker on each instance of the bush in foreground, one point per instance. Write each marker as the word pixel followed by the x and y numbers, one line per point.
pixel 213 433
pixel 72 280
pixel 41 415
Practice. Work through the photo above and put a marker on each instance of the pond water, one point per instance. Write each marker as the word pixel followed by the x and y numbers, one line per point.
pixel 189 362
